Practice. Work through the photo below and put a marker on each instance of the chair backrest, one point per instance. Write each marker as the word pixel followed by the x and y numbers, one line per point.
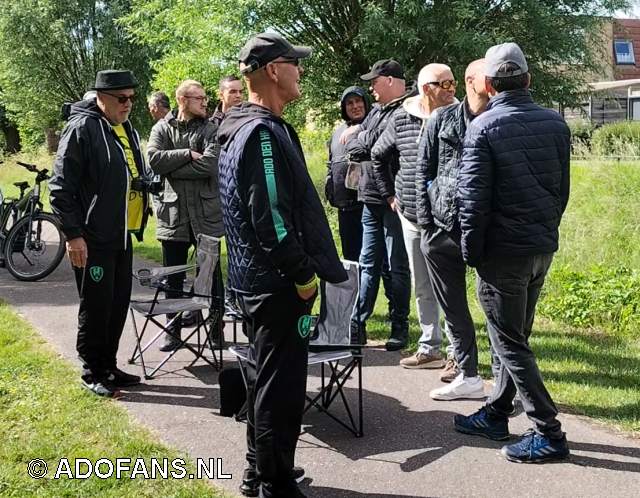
pixel 207 256
pixel 337 302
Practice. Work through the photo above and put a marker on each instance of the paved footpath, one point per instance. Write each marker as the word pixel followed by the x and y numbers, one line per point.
pixel 409 448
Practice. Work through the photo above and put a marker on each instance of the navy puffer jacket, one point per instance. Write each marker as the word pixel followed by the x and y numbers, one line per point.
pixel 513 184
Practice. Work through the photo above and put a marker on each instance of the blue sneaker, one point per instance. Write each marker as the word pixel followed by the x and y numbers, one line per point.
pixel 481 423
pixel 534 448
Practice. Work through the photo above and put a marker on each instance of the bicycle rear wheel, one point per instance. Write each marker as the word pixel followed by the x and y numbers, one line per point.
pixel 34 247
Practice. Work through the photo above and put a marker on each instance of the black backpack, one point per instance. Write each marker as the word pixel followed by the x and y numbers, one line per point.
pixel 233 392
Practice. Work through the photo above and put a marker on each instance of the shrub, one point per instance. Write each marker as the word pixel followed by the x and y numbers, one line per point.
pixel 603 297
pixel 617 139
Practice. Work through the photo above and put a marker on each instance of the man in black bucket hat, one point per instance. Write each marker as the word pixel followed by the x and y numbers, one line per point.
pixel 97 192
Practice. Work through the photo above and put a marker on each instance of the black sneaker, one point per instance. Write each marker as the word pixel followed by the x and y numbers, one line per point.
pixel 171 341
pixel 394 344
pixel 100 388
pixel 189 319
pixel 251 484
pixel 119 378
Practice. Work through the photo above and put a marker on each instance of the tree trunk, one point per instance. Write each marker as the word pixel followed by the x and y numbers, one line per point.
pixel 11 138
pixel 53 139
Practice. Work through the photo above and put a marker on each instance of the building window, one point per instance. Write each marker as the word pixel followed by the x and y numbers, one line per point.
pixel 623 50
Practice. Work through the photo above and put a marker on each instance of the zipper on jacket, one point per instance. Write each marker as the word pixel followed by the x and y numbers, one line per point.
pixel 91 206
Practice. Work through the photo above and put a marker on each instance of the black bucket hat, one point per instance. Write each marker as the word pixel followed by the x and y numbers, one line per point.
pixel 267 47
pixel 114 79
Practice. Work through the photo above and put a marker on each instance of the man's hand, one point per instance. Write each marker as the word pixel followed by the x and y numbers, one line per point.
pixel 393 203
pixel 77 250
pixel 195 155
pixel 307 294
pixel 348 132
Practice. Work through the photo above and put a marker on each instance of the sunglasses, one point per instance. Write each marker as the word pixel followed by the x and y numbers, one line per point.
pixel 295 62
pixel 445 85
pixel 122 99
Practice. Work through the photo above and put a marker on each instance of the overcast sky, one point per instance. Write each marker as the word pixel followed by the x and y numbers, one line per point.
pixel 634 14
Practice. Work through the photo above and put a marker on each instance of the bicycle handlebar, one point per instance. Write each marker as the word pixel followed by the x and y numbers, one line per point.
pixel 30 167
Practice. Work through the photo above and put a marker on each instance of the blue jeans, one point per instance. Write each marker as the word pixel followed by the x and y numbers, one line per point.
pixel 382 229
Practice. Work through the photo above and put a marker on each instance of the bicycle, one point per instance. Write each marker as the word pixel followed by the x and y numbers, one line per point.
pixel 34 245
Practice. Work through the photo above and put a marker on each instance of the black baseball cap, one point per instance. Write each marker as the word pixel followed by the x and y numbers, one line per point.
pixel 384 67
pixel 267 47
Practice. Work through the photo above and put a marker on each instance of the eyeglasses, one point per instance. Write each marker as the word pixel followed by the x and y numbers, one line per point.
pixel 122 99
pixel 198 97
pixel 295 62
pixel 445 85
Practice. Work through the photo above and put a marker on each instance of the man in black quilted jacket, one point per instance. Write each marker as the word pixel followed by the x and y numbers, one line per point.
pixel 436 87
pixel 437 213
pixel 513 187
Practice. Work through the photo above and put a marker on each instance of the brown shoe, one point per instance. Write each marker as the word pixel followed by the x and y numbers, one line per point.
pixel 423 360
pixel 450 372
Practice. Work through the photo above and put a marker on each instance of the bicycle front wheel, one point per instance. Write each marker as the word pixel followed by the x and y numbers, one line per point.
pixel 34 247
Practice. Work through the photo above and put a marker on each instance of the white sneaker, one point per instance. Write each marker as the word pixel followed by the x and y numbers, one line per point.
pixel 461 388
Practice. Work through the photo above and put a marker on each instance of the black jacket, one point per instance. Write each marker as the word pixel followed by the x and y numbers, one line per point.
pixel 513 184
pixel 277 231
pixel 91 177
pixel 400 139
pixel 359 147
pixel 439 155
pixel 336 193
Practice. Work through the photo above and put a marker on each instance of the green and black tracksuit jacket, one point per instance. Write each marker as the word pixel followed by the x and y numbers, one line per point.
pixel 276 228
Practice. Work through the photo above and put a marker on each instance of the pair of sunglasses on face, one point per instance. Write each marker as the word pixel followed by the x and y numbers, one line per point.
pixel 445 85
pixel 122 99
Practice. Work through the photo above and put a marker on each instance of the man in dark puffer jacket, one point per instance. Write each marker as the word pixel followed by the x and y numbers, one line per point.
pixel 354 107
pixel 513 188
pixel 381 225
pixel 400 138
pixel 437 212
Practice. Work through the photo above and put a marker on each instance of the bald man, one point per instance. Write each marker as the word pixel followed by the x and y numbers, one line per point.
pixel 279 243
pixel 437 213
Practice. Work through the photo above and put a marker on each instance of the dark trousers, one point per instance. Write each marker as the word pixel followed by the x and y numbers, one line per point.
pixel 382 230
pixel 508 290
pixel 176 253
pixel 448 272
pixel 104 286
pixel 277 380
pixel 350 228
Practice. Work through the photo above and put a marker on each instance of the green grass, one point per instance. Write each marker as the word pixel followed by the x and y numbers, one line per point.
pixel 593 370
pixel 46 414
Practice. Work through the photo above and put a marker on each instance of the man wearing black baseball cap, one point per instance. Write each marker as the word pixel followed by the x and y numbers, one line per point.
pixel 382 232
pixel 93 196
pixel 279 243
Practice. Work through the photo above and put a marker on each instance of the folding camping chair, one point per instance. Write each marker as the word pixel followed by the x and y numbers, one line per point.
pixel 198 300
pixel 332 347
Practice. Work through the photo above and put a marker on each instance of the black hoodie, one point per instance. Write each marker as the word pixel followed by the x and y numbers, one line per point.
pixel 276 229
pixel 335 191
pixel 91 177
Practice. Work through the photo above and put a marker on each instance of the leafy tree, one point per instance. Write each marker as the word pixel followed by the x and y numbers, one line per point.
pixel 200 38
pixel 51 51
pixel 9 131
pixel 195 39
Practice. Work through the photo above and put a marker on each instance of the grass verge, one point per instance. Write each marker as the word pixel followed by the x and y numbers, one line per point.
pixel 46 414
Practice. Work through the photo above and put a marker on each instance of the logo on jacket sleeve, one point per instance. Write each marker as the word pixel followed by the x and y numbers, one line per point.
pixel 96 272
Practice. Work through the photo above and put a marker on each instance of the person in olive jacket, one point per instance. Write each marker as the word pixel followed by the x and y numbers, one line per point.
pixel 183 150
